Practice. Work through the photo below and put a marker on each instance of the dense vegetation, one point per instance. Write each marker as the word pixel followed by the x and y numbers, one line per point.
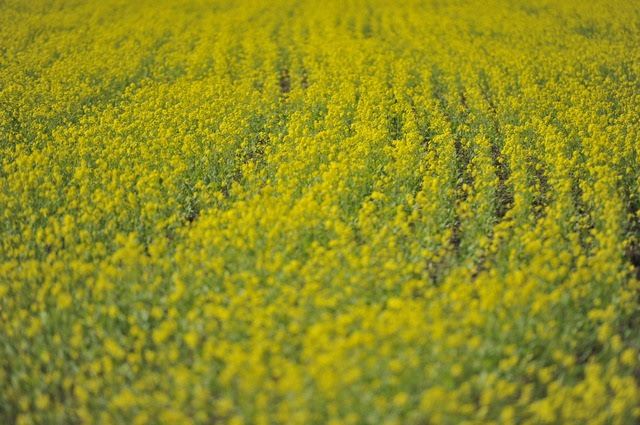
pixel 319 212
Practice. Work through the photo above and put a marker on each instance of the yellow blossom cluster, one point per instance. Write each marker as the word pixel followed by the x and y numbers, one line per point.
pixel 319 212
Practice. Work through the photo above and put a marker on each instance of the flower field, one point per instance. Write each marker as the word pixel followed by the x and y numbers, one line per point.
pixel 319 212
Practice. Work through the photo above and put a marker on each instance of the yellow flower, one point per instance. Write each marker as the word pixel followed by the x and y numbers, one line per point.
pixel 191 338
pixel 42 401
pixel 64 301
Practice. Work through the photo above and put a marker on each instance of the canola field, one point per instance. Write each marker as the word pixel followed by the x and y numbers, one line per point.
pixel 319 212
